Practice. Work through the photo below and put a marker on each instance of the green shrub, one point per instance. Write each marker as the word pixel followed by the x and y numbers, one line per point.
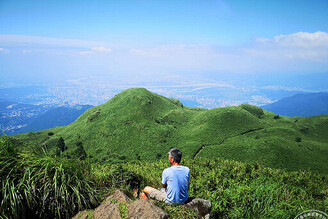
pixel 276 117
pixel 298 139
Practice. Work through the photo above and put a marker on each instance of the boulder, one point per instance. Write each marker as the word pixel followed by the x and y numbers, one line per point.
pixel 118 196
pixel 144 209
pixel 201 206
pixel 107 210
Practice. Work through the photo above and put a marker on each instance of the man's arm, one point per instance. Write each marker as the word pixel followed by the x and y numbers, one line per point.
pixel 188 180
pixel 164 182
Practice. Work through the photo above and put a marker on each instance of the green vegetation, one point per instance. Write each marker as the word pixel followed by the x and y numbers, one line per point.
pixel 249 162
pixel 123 210
pixel 36 185
pixel 60 186
pixel 139 125
pixel 256 111
pixel 239 190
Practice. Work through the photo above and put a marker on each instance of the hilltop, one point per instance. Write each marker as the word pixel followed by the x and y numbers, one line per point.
pixel 139 125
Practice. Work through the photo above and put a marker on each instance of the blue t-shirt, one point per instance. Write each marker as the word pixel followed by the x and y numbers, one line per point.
pixel 177 180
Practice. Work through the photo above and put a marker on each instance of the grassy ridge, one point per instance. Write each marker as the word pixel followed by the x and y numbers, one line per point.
pixel 59 186
pixel 137 125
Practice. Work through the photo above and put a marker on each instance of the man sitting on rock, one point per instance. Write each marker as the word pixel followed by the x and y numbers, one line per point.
pixel 175 182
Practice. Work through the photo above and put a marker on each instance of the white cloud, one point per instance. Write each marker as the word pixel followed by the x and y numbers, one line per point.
pixel 37 41
pixel 300 40
pixel 169 50
pixel 301 45
pixel 2 50
pixel 101 49
pixel 297 52
pixel 94 50
pixel 182 57
pixel 86 52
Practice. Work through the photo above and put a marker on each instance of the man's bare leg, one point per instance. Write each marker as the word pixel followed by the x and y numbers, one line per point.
pixel 155 193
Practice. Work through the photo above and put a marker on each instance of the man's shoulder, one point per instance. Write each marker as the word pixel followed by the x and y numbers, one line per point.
pixel 186 168
pixel 183 167
pixel 167 170
pixel 174 168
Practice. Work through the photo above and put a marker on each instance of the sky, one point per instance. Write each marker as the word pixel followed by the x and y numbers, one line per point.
pixel 122 40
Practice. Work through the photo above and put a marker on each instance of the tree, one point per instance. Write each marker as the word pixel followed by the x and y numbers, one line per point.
pixel 61 145
pixel 276 117
pixel 80 152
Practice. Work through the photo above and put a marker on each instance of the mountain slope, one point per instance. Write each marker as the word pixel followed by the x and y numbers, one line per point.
pixel 59 116
pixel 308 104
pixel 137 124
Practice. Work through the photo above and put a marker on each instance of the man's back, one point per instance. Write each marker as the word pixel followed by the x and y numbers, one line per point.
pixel 177 180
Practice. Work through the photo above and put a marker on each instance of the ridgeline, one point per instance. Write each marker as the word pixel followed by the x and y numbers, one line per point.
pixel 139 125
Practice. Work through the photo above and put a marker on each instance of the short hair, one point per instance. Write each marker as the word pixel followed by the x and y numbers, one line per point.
pixel 176 154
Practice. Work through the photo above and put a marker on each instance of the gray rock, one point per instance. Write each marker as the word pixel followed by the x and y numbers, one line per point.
pixel 201 206
pixel 118 196
pixel 144 209
pixel 107 210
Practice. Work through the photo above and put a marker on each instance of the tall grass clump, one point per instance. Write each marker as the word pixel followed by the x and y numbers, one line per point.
pixel 40 186
pixel 109 177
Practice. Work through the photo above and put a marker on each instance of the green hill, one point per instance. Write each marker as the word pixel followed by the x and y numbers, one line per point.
pixel 137 124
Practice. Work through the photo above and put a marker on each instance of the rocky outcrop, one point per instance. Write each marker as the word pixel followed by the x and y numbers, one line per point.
pixel 139 209
pixel 107 210
pixel 118 196
pixel 144 209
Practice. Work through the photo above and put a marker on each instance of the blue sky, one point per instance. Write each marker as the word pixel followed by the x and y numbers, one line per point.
pixel 55 40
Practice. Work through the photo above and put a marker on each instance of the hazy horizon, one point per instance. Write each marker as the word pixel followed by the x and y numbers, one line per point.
pixel 57 41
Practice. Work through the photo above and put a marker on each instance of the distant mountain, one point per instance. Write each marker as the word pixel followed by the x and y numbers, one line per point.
pixel 59 116
pixel 139 125
pixel 14 116
pixel 307 104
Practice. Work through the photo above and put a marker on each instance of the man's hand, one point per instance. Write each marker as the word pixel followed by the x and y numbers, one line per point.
pixel 164 186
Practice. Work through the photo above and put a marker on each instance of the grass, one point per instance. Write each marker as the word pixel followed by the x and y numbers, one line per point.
pixel 137 124
pixel 123 210
pixel 245 190
pixel 40 186
pixel 35 185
